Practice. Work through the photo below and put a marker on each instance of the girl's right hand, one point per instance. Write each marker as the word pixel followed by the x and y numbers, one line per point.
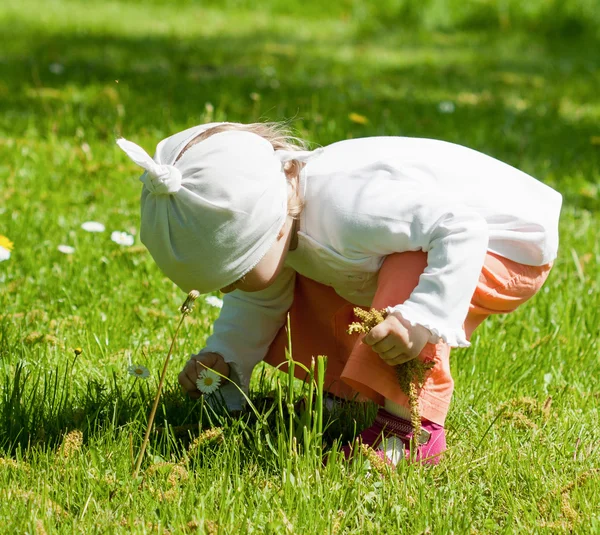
pixel 193 368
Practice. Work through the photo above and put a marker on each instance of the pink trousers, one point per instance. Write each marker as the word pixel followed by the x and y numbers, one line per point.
pixel 319 319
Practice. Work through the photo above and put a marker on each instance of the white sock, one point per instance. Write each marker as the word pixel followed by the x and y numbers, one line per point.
pixel 397 410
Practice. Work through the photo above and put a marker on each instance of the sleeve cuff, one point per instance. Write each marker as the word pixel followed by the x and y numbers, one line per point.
pixel 452 336
pixel 233 398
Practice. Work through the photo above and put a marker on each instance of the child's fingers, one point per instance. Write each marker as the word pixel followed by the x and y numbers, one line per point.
pixel 200 367
pixel 187 379
pixel 207 360
pixel 214 361
pixel 221 367
pixel 387 344
pixel 376 334
pixel 191 371
pixel 392 353
pixel 195 366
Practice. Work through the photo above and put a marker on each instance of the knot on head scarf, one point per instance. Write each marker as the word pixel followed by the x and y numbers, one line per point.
pixel 208 217
pixel 159 179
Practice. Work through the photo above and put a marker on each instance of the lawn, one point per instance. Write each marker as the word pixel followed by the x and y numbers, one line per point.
pixel 523 431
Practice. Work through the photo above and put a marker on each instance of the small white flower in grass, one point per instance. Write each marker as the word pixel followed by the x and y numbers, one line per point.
pixel 6 246
pixel 214 301
pixel 208 381
pixel 93 226
pixel 122 238
pixel 56 68
pixel 139 371
pixel 66 249
pixel 446 106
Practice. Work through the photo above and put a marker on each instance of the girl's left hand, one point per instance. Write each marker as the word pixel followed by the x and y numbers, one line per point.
pixel 396 341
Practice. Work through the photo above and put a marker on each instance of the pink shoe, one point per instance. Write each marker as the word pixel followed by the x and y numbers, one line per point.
pixel 390 436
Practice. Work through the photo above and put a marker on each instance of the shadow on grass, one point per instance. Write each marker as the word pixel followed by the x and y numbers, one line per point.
pixel 38 409
pixel 528 102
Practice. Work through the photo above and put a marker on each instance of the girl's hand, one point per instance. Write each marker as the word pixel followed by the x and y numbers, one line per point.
pixel 193 368
pixel 396 341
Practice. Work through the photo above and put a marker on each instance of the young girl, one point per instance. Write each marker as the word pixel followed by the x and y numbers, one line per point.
pixel 439 235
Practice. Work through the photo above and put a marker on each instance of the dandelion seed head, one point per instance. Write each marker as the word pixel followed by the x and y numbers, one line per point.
pixel 188 304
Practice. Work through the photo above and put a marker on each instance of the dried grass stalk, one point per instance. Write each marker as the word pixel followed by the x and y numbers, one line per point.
pixel 411 374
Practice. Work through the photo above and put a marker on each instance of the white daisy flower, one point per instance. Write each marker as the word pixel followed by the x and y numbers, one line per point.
pixel 6 246
pixel 208 381
pixel 139 371
pixel 66 249
pixel 214 301
pixel 122 238
pixel 93 226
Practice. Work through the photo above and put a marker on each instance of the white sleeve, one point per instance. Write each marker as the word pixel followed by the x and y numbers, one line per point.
pixel 247 324
pixel 455 238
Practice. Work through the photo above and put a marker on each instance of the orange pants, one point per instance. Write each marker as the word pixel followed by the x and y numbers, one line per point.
pixel 319 318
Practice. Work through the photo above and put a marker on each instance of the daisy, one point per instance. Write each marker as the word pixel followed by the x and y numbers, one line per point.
pixel 208 382
pixel 66 249
pixel 214 301
pixel 139 371
pixel 122 238
pixel 93 226
pixel 6 246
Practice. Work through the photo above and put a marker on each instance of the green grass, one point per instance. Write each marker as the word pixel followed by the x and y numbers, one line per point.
pixel 523 429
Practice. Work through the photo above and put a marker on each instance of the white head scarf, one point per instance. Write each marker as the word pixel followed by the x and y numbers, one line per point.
pixel 209 217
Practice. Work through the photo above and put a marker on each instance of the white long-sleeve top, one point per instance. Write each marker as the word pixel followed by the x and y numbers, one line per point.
pixel 368 198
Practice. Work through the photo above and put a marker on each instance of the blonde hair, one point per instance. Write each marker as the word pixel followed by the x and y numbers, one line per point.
pixel 280 137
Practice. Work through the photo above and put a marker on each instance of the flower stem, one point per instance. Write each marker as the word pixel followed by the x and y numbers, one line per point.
pixel 186 308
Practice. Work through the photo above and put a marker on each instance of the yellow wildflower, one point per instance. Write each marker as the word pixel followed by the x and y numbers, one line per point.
pixel 6 246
